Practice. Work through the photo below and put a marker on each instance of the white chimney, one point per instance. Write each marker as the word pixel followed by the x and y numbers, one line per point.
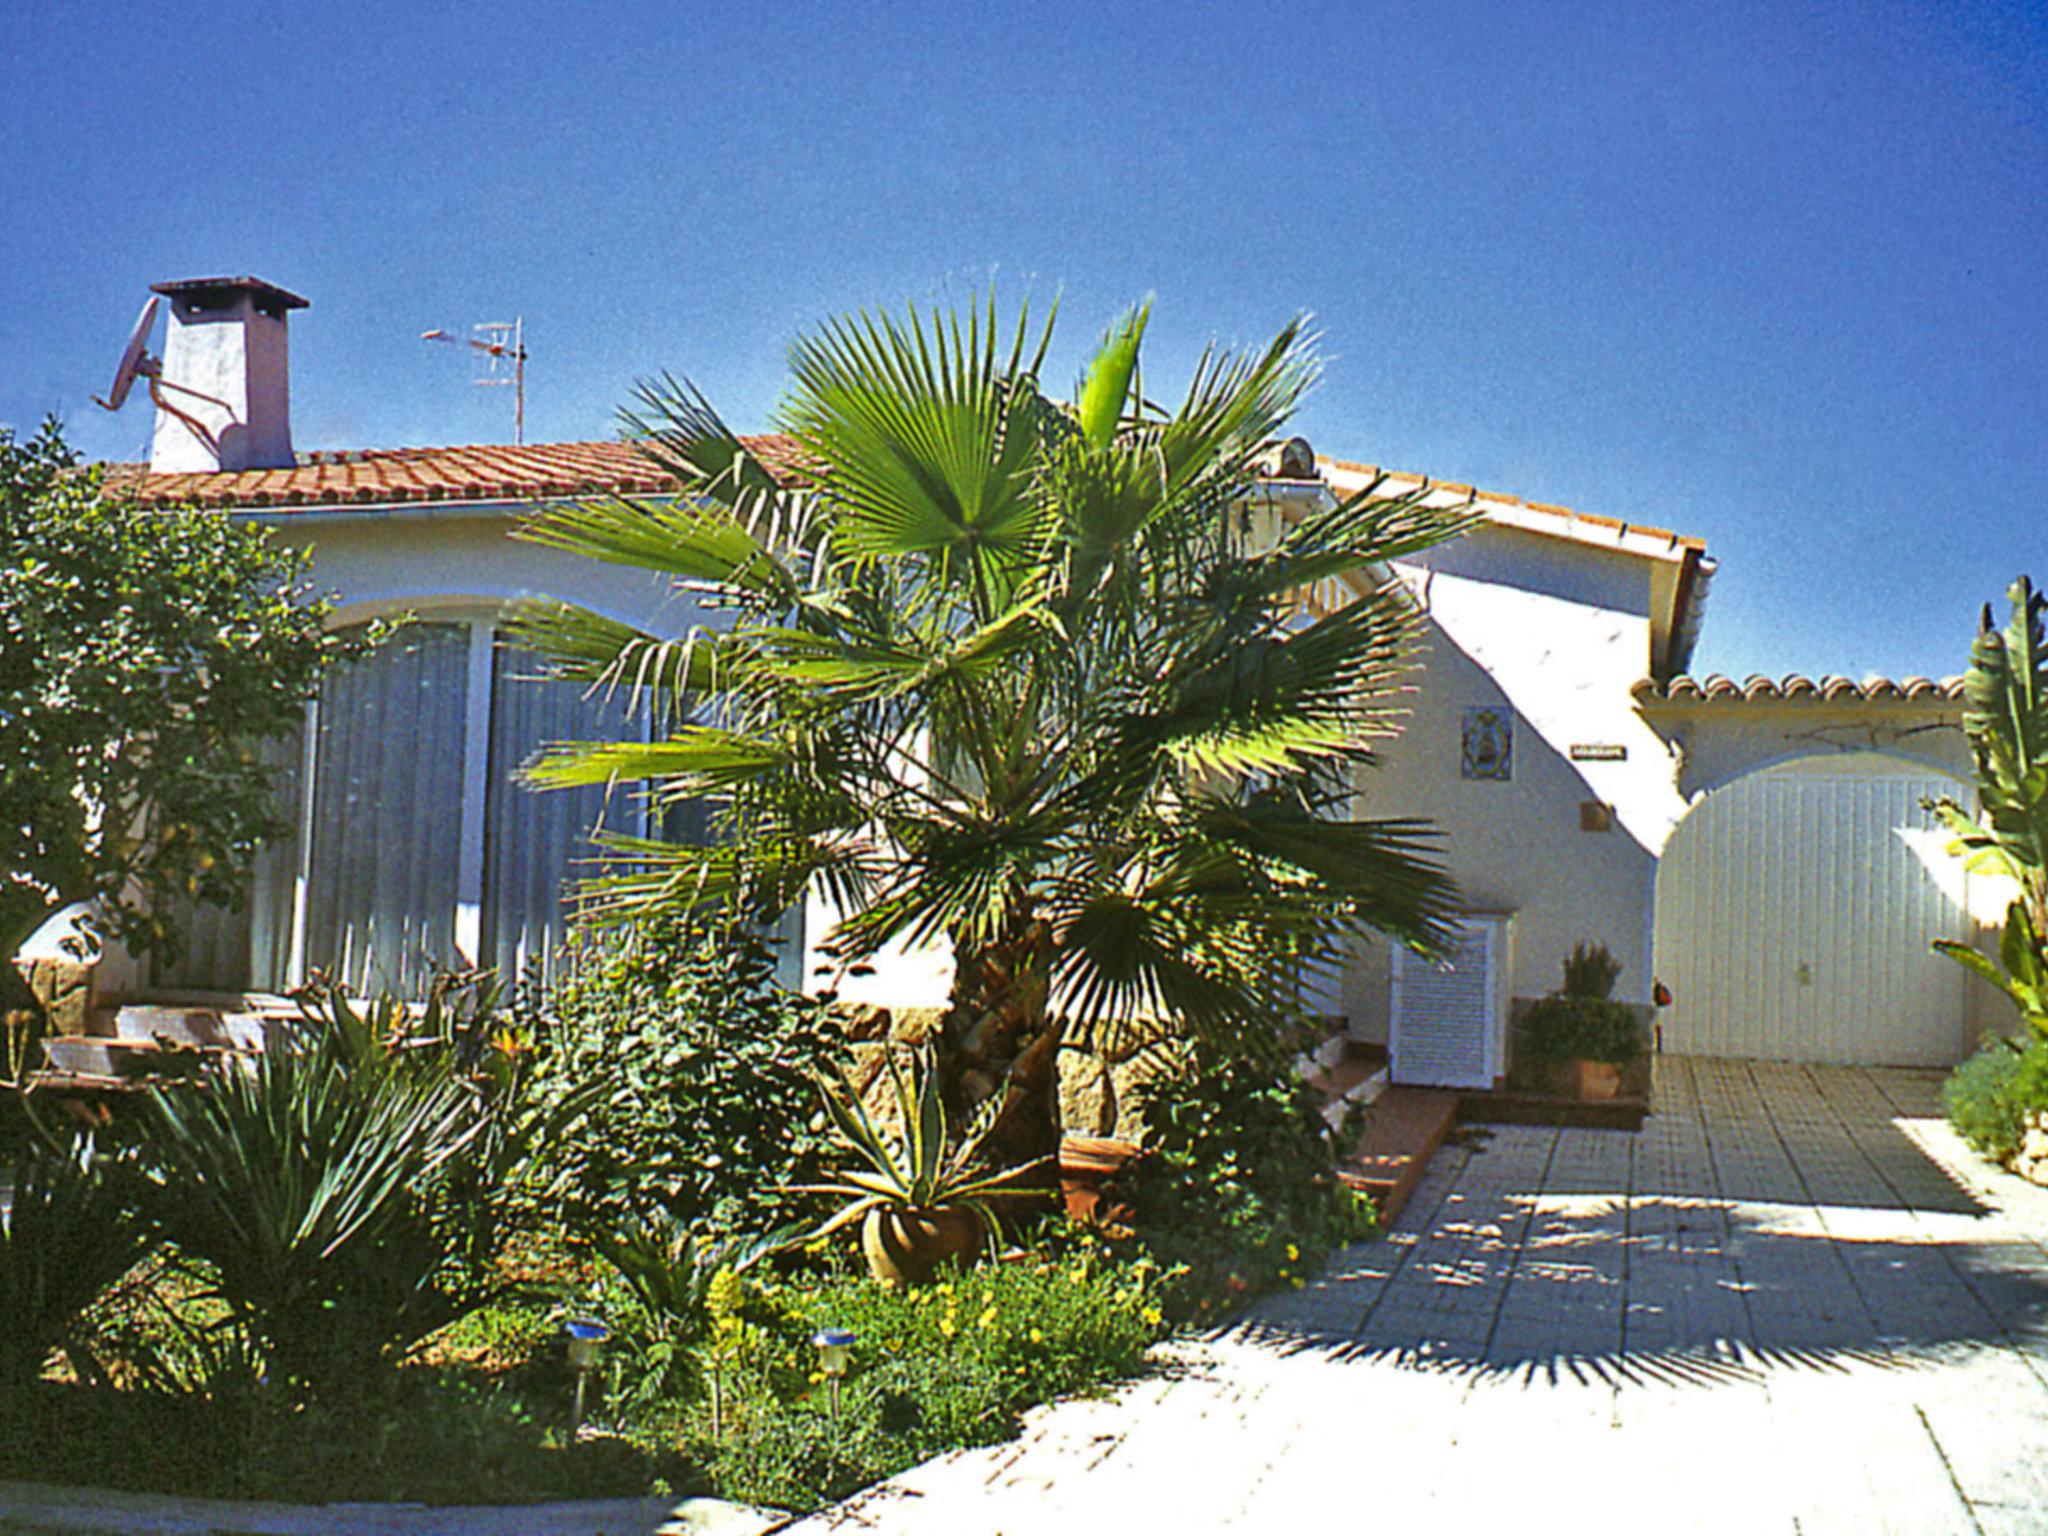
pixel 225 372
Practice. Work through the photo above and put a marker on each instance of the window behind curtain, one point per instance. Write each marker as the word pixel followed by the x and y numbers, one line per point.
pixel 387 811
pixel 537 844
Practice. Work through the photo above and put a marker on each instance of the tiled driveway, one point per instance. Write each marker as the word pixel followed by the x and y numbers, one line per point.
pixel 1791 1303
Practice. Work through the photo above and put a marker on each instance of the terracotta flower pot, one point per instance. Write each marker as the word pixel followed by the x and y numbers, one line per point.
pixel 904 1247
pixel 1590 1079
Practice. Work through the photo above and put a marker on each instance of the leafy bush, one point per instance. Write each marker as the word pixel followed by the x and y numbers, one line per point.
pixel 1579 1022
pixel 1590 971
pixel 349 1190
pixel 707 1103
pixel 1562 1027
pixel 66 1234
pixel 1237 1190
pixel 946 1366
pixel 1991 1097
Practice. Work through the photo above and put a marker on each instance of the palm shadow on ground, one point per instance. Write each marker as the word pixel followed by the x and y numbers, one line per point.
pixel 1816 1242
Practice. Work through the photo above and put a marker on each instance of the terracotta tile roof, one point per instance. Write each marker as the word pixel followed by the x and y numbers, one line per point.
pixel 488 472
pixel 1582 523
pixel 1717 689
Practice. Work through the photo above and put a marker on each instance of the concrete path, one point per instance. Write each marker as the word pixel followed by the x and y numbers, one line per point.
pixel 1792 1303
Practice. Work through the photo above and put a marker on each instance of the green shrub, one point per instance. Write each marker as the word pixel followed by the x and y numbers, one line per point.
pixel 1991 1097
pixel 1237 1190
pixel 67 1233
pixel 933 1369
pixel 1590 971
pixel 708 1104
pixel 1562 1027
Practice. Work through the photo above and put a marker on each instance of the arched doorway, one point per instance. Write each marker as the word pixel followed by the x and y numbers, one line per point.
pixel 1795 909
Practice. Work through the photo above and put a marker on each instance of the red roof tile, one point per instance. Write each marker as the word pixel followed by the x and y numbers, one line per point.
pixel 1719 689
pixel 486 472
pixel 1549 509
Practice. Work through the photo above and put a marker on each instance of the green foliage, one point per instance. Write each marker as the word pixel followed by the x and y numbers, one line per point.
pixel 349 1190
pixel 67 1233
pixel 1991 1097
pixel 946 1366
pixel 918 1163
pixel 1562 1027
pixel 1024 675
pixel 1581 1022
pixel 1590 970
pixel 145 659
pixel 1237 1190
pixel 436 1437
pixel 2005 717
pixel 703 1072
pixel 671 1270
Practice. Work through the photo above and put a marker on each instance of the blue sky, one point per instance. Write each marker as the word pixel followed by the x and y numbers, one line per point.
pixel 1772 274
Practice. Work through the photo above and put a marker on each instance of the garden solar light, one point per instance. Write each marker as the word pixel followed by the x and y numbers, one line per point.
pixel 585 1335
pixel 833 1346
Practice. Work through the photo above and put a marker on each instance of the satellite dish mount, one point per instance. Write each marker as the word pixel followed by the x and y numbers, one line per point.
pixel 137 363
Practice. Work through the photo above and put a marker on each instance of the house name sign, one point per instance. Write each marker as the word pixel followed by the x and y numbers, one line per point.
pixel 1598 752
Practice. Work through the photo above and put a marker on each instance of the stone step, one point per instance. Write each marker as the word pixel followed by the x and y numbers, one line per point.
pixel 97 1056
pixel 185 1024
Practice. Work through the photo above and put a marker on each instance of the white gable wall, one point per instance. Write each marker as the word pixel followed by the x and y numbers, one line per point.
pixel 1557 632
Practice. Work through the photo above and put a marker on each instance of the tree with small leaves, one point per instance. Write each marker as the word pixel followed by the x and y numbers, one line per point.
pixel 147 657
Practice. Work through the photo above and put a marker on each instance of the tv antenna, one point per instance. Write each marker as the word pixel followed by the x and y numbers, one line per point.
pixel 137 363
pixel 500 349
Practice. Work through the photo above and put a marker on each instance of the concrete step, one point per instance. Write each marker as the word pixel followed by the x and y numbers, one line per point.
pixel 240 1026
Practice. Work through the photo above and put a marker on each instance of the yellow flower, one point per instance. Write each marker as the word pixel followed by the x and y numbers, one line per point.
pixel 1037 1337
pixel 817 1377
pixel 1293 1254
pixel 947 1328
pixel 1152 1316
pixel 988 1317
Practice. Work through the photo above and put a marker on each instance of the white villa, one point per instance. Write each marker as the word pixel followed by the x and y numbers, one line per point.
pixel 1758 847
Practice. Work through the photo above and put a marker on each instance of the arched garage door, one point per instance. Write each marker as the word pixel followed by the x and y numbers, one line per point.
pixel 1795 907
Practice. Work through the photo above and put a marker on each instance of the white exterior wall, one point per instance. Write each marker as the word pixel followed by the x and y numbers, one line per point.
pixel 1719 740
pixel 424 558
pixel 1558 632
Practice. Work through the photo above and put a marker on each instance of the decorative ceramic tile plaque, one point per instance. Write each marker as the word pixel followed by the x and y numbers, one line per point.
pixel 1489 744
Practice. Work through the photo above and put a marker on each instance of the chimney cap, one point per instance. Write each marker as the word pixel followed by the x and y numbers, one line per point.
pixel 212 290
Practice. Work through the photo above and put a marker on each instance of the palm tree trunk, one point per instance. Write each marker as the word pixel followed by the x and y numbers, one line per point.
pixel 996 1041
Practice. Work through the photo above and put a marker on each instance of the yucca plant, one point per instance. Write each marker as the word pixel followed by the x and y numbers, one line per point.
pixel 67 1232
pixel 1031 679
pixel 923 1193
pixel 2005 717
pixel 348 1190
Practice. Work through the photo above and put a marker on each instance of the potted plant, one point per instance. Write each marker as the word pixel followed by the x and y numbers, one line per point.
pixel 1584 1036
pixel 921 1194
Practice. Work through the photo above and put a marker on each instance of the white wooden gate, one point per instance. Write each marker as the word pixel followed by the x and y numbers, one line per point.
pixel 1795 907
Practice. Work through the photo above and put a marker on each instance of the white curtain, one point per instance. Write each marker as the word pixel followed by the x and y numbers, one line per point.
pixel 537 844
pixel 387 812
pixel 225 951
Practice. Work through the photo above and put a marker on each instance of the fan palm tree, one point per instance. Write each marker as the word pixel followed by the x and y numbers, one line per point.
pixel 1024 677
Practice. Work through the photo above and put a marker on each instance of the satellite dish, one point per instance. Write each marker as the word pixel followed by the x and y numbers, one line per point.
pixel 135 359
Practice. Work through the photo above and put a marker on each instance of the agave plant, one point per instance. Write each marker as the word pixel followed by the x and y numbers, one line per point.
pixel 2005 717
pixel 922 1193
pixel 67 1233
